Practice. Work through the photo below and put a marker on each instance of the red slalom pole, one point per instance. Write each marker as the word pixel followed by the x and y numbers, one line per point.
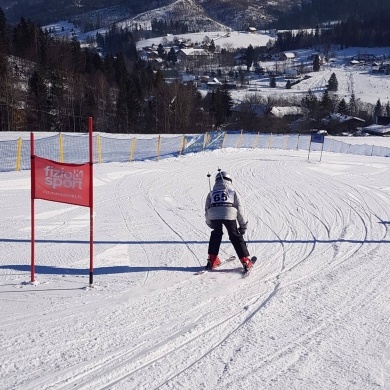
pixel 90 127
pixel 32 167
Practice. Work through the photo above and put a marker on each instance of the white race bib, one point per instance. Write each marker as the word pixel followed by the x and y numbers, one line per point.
pixel 224 198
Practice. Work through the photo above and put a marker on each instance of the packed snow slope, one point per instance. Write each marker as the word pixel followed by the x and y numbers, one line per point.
pixel 314 314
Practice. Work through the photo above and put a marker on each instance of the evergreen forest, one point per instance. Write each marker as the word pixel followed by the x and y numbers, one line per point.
pixel 48 84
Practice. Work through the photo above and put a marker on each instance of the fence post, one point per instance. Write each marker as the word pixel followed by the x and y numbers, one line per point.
pixel 238 145
pixel 270 141
pixel 183 140
pixel 132 148
pixel 19 155
pixel 99 148
pixel 61 148
pixel 256 140
pixel 223 141
pixel 158 147
pixel 285 146
pixel 205 140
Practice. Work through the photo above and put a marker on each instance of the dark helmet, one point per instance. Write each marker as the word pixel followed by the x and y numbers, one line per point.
pixel 223 175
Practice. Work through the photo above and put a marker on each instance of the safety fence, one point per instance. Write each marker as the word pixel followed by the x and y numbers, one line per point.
pixel 74 148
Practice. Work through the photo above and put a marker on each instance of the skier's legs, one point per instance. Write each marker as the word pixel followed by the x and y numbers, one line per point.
pixel 236 239
pixel 215 238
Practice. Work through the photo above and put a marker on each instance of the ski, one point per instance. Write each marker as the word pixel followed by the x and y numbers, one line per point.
pixel 223 262
pixel 246 273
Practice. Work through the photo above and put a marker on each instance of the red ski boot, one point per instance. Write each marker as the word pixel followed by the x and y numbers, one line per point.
pixel 246 263
pixel 213 262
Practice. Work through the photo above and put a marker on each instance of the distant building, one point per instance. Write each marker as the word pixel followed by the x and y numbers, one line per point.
pixel 383 120
pixel 364 57
pixel 185 54
pixel 287 56
pixel 376 130
pixel 281 112
pixel 170 75
pixel 342 123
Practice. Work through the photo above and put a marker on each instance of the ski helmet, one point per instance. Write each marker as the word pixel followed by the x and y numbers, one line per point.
pixel 223 175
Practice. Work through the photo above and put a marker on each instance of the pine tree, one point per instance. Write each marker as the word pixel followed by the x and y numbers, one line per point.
pixel 342 107
pixel 272 82
pixel 316 63
pixel 227 100
pixel 249 56
pixel 388 109
pixel 378 108
pixel 3 27
pixel 352 106
pixel 310 101
pixel 221 104
pixel 172 58
pixel 212 46
pixel 326 102
pixel 161 51
pixel 333 84
pixel 128 106
pixel 37 102
pixel 288 84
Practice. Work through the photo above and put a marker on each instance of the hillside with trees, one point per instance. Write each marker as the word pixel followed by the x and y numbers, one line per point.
pixel 315 12
pixel 54 85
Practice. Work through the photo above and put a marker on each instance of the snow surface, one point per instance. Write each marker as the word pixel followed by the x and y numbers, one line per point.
pixel 314 314
pixel 223 39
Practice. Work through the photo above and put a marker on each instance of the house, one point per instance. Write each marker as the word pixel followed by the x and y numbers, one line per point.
pixel 281 112
pixel 383 120
pixel 186 54
pixel 261 110
pixel 364 57
pixel 148 53
pixel 170 75
pixel 342 123
pixel 376 130
pixel 287 56
pixel 251 29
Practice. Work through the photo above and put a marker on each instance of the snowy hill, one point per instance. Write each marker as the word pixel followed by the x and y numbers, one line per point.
pixel 313 315
pixel 197 13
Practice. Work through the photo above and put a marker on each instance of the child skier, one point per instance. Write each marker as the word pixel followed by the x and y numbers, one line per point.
pixel 224 208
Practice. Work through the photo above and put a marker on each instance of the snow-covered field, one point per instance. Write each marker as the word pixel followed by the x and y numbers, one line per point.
pixel 367 86
pixel 223 39
pixel 314 314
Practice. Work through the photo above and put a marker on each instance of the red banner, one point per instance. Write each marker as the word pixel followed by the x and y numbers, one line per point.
pixel 61 182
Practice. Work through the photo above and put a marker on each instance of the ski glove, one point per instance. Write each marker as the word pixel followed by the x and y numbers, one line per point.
pixel 242 229
pixel 210 224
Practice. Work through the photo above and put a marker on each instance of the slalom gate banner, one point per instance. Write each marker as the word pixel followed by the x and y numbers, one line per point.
pixel 64 183
pixel 316 139
pixel 61 182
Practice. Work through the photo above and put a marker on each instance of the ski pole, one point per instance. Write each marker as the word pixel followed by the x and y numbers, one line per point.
pixel 208 175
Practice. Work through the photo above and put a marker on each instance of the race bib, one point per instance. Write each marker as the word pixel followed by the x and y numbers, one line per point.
pixel 224 198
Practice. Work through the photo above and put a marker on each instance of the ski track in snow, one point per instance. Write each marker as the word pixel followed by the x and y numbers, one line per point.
pixel 314 313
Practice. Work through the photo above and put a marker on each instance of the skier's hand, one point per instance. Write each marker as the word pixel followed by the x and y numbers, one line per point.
pixel 242 230
pixel 210 224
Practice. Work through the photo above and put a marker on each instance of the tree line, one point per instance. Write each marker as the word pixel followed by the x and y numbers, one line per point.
pixel 315 12
pixel 48 84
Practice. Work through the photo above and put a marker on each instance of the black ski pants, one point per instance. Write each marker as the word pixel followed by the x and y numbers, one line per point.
pixel 235 238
